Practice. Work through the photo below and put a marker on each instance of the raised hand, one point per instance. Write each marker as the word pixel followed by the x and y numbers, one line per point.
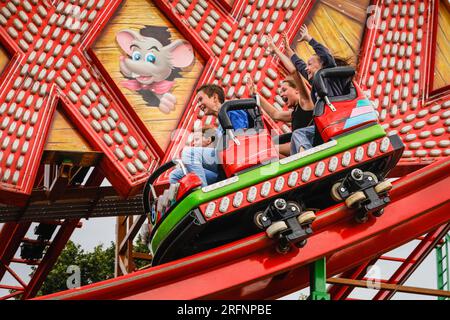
pixel 286 45
pixel 304 35
pixel 252 89
pixel 285 41
pixel 270 45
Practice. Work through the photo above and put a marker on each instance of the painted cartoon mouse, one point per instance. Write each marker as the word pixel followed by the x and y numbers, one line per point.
pixel 152 64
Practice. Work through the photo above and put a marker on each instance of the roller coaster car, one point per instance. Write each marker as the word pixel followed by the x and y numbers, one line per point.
pixel 259 192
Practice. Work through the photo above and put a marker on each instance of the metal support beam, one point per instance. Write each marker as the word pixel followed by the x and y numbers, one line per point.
pixel 11 235
pixel 413 261
pixel 51 255
pixel 391 287
pixel 132 232
pixel 342 292
pixel 318 281
pixel 60 182
pixel 59 241
pixel 142 256
pixel 442 263
pixel 124 246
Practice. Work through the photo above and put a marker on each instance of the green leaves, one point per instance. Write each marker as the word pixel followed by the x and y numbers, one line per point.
pixel 94 266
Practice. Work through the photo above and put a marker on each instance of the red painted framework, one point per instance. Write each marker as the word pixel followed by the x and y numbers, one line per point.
pixel 252 269
pixel 118 119
pixel 437 97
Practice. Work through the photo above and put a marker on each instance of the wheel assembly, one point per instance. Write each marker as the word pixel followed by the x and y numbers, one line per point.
pixel 378 213
pixel 355 199
pixel 371 176
pixel 276 228
pixel 257 219
pixel 382 187
pixel 334 192
pixel 361 218
pixel 306 217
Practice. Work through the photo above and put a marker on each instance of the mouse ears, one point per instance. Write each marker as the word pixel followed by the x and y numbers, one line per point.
pixel 181 53
pixel 125 38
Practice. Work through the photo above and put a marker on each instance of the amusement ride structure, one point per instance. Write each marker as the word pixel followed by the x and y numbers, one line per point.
pixel 67 124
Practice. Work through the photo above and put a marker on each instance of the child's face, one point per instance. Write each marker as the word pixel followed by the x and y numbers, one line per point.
pixel 200 141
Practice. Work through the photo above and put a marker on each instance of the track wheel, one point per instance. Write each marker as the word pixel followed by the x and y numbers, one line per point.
pixel 378 213
pixel 306 217
pixel 359 218
pixel 383 187
pixel 275 228
pixel 257 220
pixel 334 192
pixel 283 248
pixel 354 199
pixel 372 175
pixel 301 244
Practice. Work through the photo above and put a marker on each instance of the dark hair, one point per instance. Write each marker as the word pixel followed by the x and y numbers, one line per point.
pixel 208 131
pixel 211 89
pixel 342 62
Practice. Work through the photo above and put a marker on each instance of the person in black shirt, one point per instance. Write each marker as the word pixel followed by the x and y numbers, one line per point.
pixel 321 60
pixel 302 139
pixel 296 115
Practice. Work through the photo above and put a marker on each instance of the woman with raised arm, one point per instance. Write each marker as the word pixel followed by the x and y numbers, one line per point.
pixel 303 138
pixel 298 116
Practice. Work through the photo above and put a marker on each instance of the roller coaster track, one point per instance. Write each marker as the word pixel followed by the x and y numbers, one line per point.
pixel 252 269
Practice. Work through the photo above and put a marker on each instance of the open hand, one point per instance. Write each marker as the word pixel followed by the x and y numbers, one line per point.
pixel 270 45
pixel 285 40
pixel 304 35
pixel 251 86
pixel 286 45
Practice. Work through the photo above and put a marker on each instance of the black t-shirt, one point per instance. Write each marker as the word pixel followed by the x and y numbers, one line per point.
pixel 301 118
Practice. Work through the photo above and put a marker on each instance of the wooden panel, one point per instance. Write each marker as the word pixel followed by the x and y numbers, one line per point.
pixel 337 25
pixel 4 59
pixel 134 14
pixel 356 9
pixel 64 137
pixel 442 66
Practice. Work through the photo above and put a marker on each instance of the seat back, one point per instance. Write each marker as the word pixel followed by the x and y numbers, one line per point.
pixel 241 149
pixel 335 114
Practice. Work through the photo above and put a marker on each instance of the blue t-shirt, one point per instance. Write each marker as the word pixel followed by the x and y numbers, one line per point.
pixel 239 119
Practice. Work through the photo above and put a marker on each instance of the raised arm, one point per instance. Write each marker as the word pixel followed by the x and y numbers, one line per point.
pixel 298 63
pixel 274 113
pixel 285 60
pixel 324 54
pixel 305 94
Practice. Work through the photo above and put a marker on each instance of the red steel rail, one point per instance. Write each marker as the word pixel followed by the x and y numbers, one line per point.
pixel 252 269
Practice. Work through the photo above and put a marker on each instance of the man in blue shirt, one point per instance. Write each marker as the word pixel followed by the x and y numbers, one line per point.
pixel 200 160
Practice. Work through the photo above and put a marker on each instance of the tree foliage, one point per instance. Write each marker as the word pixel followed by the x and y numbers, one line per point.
pixel 94 266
